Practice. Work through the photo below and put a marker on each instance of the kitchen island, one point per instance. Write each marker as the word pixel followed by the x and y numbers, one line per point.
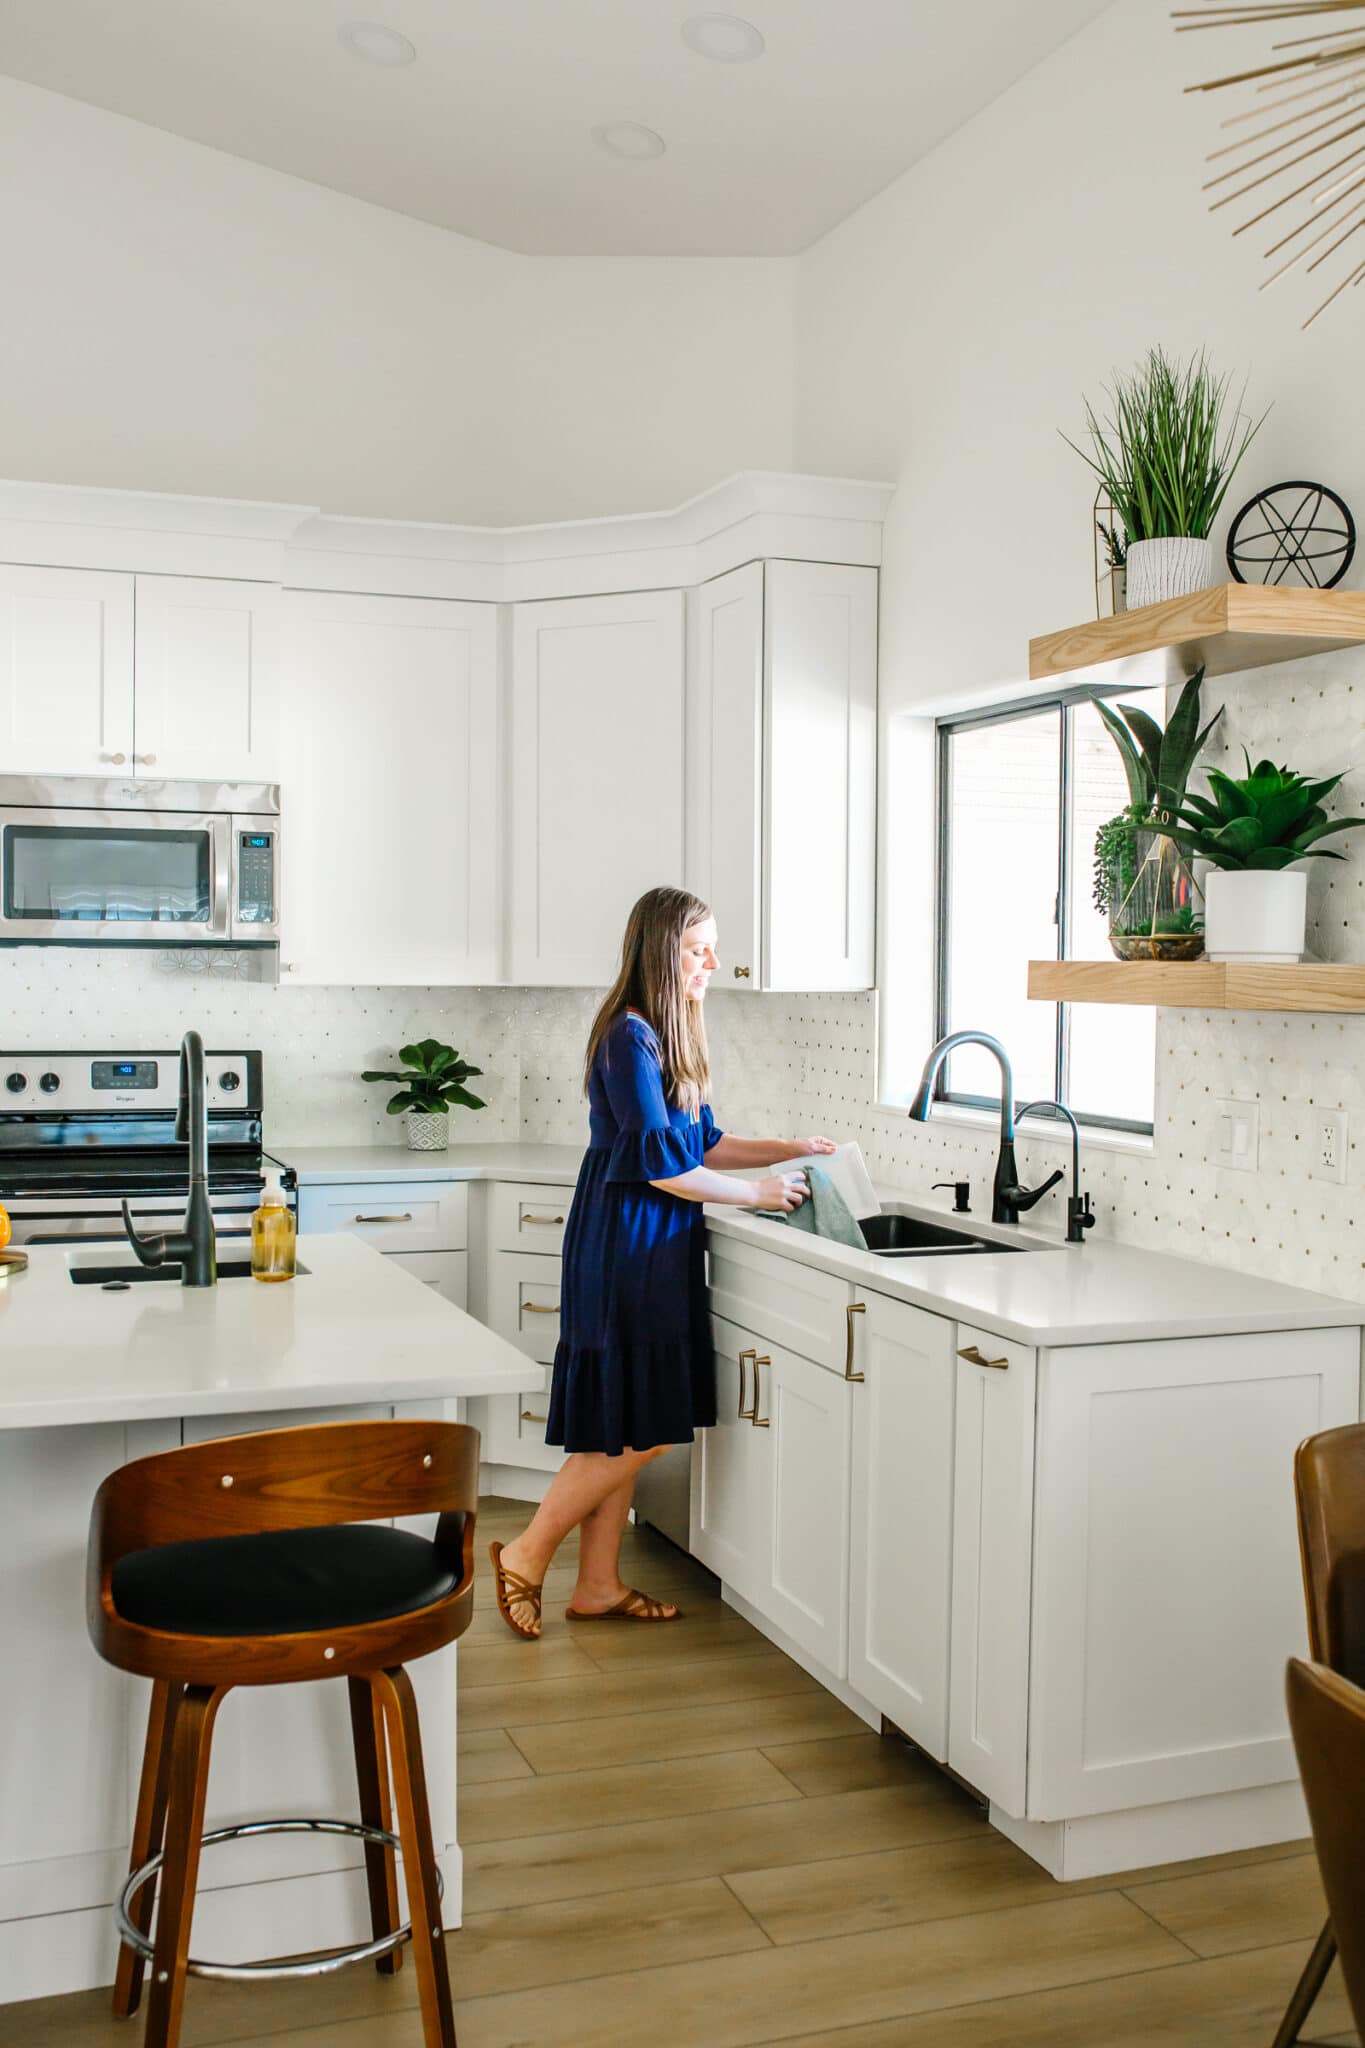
pixel 90 1379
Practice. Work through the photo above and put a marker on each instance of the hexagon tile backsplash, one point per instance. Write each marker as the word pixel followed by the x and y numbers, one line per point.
pixel 786 1065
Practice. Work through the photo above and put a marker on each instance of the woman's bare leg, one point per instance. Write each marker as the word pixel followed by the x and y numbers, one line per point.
pixel 583 1482
pixel 599 1553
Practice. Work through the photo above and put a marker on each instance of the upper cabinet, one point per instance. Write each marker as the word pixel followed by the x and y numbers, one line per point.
pixel 206 668
pixel 782 761
pixel 596 777
pixel 390 790
pixel 66 671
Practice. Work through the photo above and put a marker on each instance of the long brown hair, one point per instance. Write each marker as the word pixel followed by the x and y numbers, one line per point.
pixel 650 981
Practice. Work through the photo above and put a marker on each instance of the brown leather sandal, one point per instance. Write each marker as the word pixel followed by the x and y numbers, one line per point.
pixel 632 1606
pixel 512 1586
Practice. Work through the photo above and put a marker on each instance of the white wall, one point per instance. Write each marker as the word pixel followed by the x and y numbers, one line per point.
pixel 179 320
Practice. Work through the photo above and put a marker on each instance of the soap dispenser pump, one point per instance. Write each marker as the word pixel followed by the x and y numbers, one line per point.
pixel 272 1233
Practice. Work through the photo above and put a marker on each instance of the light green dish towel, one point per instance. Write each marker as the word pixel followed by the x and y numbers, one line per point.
pixel 825 1213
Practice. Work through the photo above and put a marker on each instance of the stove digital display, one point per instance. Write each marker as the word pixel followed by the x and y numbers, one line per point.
pixel 121 1074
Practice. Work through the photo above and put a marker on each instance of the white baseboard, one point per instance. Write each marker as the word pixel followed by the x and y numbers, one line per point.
pixel 1216 1825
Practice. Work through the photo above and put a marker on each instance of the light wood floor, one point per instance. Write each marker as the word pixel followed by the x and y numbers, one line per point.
pixel 674 1838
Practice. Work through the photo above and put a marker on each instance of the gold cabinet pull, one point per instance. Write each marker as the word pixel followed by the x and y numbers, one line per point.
pixel 741 974
pixel 973 1357
pixel 760 1421
pixel 542 1219
pixel 747 1414
pixel 540 1308
pixel 529 1415
pixel 406 1217
pixel 855 1308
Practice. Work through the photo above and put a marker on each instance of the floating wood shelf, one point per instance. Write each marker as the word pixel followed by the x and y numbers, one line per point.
pixel 1229 627
pixel 1200 984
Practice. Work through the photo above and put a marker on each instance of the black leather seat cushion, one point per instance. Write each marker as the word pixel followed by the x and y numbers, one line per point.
pixel 287 1582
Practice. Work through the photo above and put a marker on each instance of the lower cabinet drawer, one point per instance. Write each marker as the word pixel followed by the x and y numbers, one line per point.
pixel 523 1302
pixel 393 1216
pixel 447 1272
pixel 526 1218
pixel 796 1306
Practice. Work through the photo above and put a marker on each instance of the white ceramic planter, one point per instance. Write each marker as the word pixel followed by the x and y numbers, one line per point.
pixel 1159 569
pixel 427 1133
pixel 1255 916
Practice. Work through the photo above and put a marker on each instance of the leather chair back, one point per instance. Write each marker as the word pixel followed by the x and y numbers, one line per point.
pixel 1327 1717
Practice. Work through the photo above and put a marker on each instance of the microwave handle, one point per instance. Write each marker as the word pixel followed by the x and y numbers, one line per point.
pixel 222 848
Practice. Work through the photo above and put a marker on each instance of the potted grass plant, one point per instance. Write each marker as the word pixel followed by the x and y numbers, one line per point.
pixel 1256 831
pixel 431 1079
pixel 1144 883
pixel 1165 454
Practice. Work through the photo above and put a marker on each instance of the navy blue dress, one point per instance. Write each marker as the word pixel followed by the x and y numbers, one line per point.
pixel 633 1367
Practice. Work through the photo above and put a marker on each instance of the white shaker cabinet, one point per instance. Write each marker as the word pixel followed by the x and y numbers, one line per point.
pixel 782 794
pixel 596 777
pixel 726 1524
pixel 66 671
pixel 207 682
pixel 390 788
pixel 900 1560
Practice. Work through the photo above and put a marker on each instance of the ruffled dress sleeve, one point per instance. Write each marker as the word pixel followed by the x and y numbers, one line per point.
pixel 647 1146
pixel 711 1133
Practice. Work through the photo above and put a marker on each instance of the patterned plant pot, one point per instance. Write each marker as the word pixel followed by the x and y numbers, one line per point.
pixel 427 1132
pixel 1160 569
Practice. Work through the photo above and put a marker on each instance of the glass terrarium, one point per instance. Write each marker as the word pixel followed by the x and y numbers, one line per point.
pixel 1156 908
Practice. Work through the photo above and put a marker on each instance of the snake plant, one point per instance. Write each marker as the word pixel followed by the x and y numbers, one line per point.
pixel 1157 764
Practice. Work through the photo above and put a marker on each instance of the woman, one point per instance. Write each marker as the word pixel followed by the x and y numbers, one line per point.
pixel 633 1370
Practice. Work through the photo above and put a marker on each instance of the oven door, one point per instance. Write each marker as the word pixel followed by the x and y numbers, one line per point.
pixel 139 877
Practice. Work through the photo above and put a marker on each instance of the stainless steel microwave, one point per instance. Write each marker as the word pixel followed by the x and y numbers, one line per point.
pixel 98 861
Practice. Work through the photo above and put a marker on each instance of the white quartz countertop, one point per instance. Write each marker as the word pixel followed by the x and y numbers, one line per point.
pixel 1096 1293
pixel 318 1165
pixel 354 1327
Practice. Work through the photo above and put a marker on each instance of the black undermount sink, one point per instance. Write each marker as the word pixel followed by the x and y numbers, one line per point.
pixel 892 1236
pixel 121 1276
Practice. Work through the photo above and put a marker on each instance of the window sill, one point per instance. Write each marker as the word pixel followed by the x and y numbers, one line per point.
pixel 1051 1131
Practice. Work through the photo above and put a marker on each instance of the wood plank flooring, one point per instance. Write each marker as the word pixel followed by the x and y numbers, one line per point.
pixel 675 1839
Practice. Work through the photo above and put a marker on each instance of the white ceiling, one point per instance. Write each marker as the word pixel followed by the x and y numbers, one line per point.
pixel 490 131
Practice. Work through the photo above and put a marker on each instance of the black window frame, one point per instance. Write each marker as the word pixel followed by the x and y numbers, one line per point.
pixel 1061 701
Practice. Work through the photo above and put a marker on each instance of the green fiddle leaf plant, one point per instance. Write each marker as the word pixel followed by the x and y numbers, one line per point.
pixel 431 1078
pixel 1266 819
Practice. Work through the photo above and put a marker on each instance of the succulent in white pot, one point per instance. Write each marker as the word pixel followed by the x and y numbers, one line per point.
pixel 1165 457
pixel 1257 831
pixel 431 1078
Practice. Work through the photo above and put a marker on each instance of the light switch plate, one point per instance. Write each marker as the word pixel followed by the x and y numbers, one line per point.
pixel 1236 1135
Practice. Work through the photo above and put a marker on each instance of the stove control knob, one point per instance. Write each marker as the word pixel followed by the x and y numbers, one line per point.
pixel 16 1083
pixel 229 1080
pixel 49 1083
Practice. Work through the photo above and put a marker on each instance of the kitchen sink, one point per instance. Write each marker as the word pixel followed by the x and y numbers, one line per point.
pixel 900 1237
pixel 125 1275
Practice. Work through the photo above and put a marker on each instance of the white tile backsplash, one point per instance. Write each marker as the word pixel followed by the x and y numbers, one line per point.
pixel 787 1065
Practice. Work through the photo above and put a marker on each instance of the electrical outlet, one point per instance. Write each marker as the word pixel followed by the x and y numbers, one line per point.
pixel 1327 1142
pixel 1236 1135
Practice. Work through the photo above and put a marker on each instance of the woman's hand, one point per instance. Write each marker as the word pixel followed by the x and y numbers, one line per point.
pixel 782 1191
pixel 805 1146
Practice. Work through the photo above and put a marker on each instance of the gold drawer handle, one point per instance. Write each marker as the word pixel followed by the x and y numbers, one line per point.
pixel 747 1414
pixel 973 1357
pixel 529 1415
pixel 539 1308
pixel 758 1421
pixel 855 1308
pixel 547 1220
pixel 406 1217
pixel 741 974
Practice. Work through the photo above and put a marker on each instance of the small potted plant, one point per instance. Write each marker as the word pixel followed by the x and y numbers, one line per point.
pixel 1255 830
pixel 1143 882
pixel 1114 541
pixel 431 1078
pixel 1165 458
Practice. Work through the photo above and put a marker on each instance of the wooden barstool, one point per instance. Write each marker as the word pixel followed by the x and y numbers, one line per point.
pixel 255 1560
pixel 1329 1487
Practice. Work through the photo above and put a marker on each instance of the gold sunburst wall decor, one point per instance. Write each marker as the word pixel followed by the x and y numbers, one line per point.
pixel 1291 165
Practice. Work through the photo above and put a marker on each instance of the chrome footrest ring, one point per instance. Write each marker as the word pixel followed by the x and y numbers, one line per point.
pixel 320 1965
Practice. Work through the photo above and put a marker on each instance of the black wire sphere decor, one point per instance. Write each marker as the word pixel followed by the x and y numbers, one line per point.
pixel 1297 533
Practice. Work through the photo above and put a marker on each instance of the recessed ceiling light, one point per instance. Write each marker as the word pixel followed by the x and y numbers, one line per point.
pixel 723 37
pixel 375 44
pixel 629 139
